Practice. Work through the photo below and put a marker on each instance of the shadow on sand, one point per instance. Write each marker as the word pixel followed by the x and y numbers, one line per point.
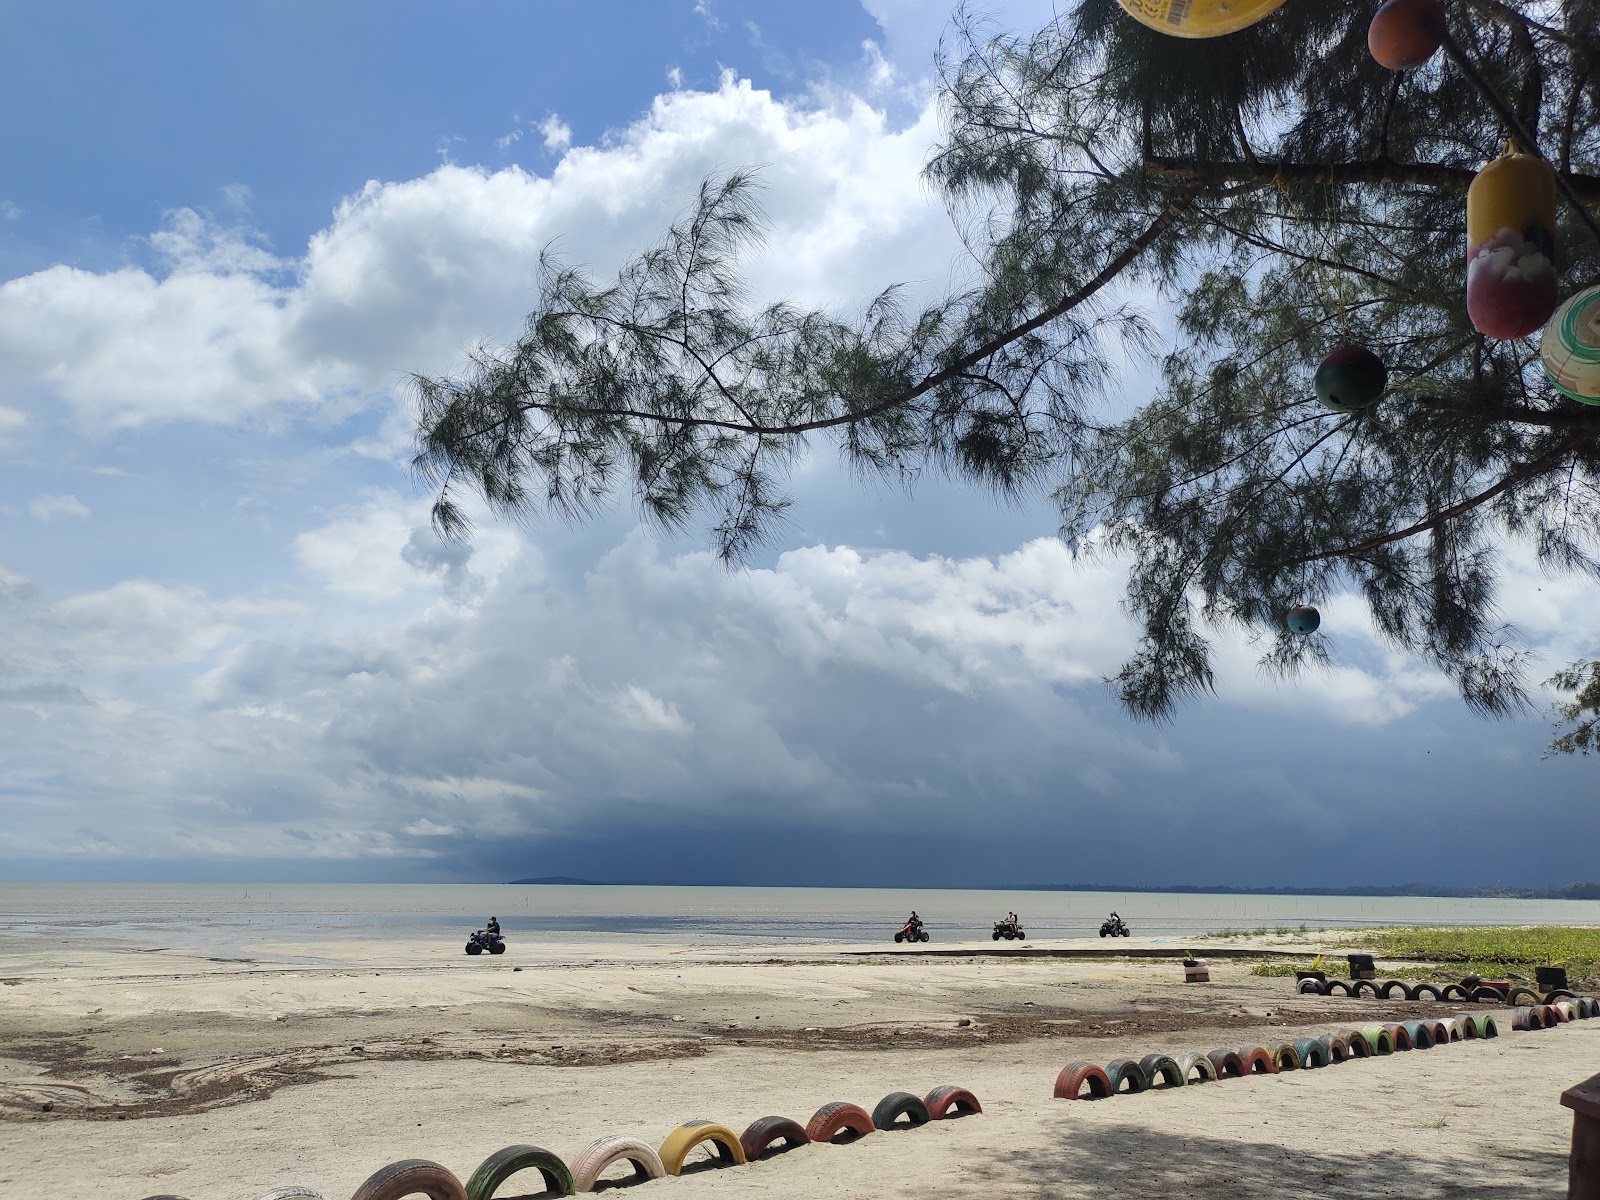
pixel 1131 1160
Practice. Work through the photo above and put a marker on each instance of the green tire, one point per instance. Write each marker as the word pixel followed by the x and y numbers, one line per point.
pixel 503 1164
pixel 1378 1039
pixel 1312 1052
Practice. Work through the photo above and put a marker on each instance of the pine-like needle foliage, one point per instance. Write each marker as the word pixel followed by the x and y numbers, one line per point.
pixel 1281 190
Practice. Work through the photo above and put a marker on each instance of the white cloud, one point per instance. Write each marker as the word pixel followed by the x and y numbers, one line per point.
pixel 9 211
pixel 637 708
pixel 58 508
pixel 410 273
pixel 11 423
pixel 557 133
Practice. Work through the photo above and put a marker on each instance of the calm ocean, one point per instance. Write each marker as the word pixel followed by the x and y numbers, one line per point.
pixel 238 914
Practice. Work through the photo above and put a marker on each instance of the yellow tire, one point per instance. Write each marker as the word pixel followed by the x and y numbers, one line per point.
pixel 730 1152
pixel 1199 18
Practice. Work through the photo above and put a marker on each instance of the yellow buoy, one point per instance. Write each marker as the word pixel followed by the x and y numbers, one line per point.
pixel 1511 240
pixel 1198 18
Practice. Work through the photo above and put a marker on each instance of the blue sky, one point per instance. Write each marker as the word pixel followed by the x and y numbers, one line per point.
pixel 232 647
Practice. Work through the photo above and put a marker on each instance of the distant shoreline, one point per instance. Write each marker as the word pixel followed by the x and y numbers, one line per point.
pixel 1576 891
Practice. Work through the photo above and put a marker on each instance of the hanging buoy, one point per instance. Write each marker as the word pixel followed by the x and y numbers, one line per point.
pixel 1511 245
pixel 1404 34
pixel 1350 379
pixel 1570 348
pixel 1304 620
pixel 1198 18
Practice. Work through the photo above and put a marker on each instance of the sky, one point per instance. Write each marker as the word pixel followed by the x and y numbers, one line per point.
pixel 232 648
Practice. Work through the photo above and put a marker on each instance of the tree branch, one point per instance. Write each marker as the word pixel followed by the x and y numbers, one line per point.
pixel 1356 171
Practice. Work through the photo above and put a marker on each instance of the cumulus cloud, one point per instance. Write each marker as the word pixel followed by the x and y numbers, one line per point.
pixel 221 329
pixel 57 508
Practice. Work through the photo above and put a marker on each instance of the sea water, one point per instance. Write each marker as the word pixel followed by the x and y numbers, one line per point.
pixel 240 914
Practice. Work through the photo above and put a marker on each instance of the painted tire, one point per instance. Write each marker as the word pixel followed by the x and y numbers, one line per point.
pixel 1485 992
pixel 677 1144
pixel 589 1163
pixel 1392 987
pixel 1285 1057
pixel 1163 1067
pixel 1425 989
pixel 1440 1032
pixel 1258 1060
pixel 1311 987
pixel 1420 1033
pixel 1399 1037
pixel 1227 1064
pixel 758 1137
pixel 1469 1027
pixel 503 1164
pixel 1075 1076
pixel 1126 1071
pixel 1453 991
pixel 895 1105
pixel 1488 1027
pixel 1197 1065
pixel 1515 994
pixel 1559 994
pixel 1361 985
pixel 1551 1014
pixel 290 1193
pixel 829 1121
pixel 1379 1039
pixel 1526 1018
pixel 1338 987
pixel 946 1097
pixel 1453 1030
pixel 1312 1052
pixel 1586 1007
pixel 1356 1043
pixel 408 1177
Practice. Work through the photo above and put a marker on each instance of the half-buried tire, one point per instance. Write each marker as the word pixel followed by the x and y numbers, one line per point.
pixel 1357 1043
pixel 1127 1075
pixel 700 1132
pixel 1162 1067
pixel 1486 1025
pixel 292 1192
pixel 1076 1076
pixel 1514 995
pixel 948 1101
pixel 1228 1064
pixel 759 1135
pixel 1338 987
pixel 1420 1033
pixel 411 1177
pixel 1441 1033
pixel 604 1153
pixel 1335 1049
pixel 1311 987
pixel 1363 985
pixel 1453 991
pixel 1526 1018
pixel 1392 988
pixel 1424 991
pixel 1484 992
pixel 1285 1057
pixel 1379 1039
pixel 503 1164
pixel 1258 1060
pixel 1197 1068
pixel 887 1113
pixel 839 1118
pixel 1399 1037
pixel 1311 1051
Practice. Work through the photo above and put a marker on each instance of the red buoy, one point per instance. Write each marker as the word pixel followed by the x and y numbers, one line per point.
pixel 1404 34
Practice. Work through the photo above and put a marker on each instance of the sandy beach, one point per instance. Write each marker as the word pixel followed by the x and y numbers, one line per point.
pixel 129 1073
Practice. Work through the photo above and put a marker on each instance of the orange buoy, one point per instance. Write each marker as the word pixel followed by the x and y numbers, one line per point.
pixel 1404 34
pixel 1511 221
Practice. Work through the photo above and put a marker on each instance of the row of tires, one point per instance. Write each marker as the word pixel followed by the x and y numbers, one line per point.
pixel 1084 1080
pixel 1390 989
pixel 837 1122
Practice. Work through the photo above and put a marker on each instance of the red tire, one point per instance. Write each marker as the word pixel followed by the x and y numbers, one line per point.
pixel 1400 1036
pixel 758 1137
pixel 1228 1064
pixel 1258 1060
pixel 829 1121
pixel 1551 1014
pixel 1526 1018
pixel 1075 1076
pixel 1441 1032
pixel 946 1097
pixel 411 1177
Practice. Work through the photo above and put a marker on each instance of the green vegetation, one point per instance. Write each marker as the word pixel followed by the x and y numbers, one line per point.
pixel 1449 953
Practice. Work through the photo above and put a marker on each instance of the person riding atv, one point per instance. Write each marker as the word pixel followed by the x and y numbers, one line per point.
pixel 1009 928
pixel 912 930
pixel 485 939
pixel 1114 926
